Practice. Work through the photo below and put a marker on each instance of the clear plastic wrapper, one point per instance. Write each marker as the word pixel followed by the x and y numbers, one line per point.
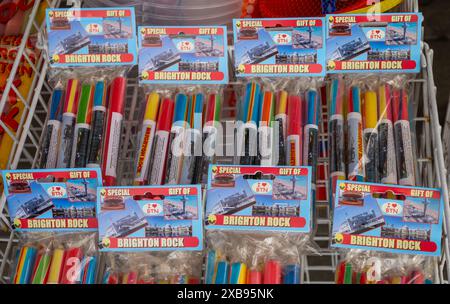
pixel 265 103
pixel 177 134
pixel 370 267
pixel 245 257
pixel 84 125
pixel 55 258
pixel 176 267
pixel 278 123
pixel 370 129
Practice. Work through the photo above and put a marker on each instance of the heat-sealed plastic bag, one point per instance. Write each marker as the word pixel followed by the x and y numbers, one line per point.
pixel 370 129
pixel 368 267
pixel 177 267
pixel 177 136
pixel 252 257
pixel 55 258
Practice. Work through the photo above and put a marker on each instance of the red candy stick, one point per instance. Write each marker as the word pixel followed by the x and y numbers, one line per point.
pixel 72 265
pixel 254 277
pixel 272 272
pixel 113 130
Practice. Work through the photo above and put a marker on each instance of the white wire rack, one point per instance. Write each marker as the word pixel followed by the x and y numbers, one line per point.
pixel 26 139
pixel 317 269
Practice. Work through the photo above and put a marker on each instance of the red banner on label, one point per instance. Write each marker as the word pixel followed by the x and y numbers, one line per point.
pixel 374 65
pixel 282 68
pixel 153 242
pixel 94 13
pixel 388 243
pixel 183 76
pixel 40 223
pixel 272 23
pixel 167 190
pixel 36 174
pixel 282 171
pixel 374 18
pixel 257 221
pixel 93 58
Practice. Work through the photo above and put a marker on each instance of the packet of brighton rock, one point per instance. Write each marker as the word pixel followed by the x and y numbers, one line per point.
pixel 151 234
pixel 258 224
pixel 182 71
pixel 53 214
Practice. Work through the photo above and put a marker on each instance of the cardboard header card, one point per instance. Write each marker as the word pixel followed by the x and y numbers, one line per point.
pixel 388 218
pixel 259 198
pixel 91 37
pixel 52 199
pixel 374 43
pixel 279 47
pixel 150 218
pixel 183 54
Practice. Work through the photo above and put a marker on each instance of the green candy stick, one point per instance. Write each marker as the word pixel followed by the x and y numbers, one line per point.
pixel 42 268
pixel 348 274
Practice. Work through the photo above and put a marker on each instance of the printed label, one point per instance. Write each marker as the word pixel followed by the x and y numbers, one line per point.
pixel 247 143
pixel 91 37
pixel 114 144
pixel 293 150
pixel 311 149
pixel 337 144
pixel 279 47
pixel 49 154
pixel 67 134
pixel 81 142
pixel 161 146
pixel 278 200
pixel 36 202
pixel 371 43
pixel 150 218
pixel 405 164
pixel 96 139
pixel 355 147
pixel 282 130
pixel 145 149
pixel 193 141
pixel 265 144
pixel 395 219
pixel 371 154
pixel 190 55
pixel 387 165
pixel 175 154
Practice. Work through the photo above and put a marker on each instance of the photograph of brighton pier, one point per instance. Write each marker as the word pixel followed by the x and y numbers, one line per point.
pixel 122 222
pixel 289 188
pixel 117 27
pixel 209 46
pixel 255 51
pixel 309 37
pixel 181 208
pixel 421 211
pixel 157 59
pixel 347 47
pixel 358 219
pixel 30 205
pixel 83 190
pixel 401 33
pixel 68 41
pixel 230 200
